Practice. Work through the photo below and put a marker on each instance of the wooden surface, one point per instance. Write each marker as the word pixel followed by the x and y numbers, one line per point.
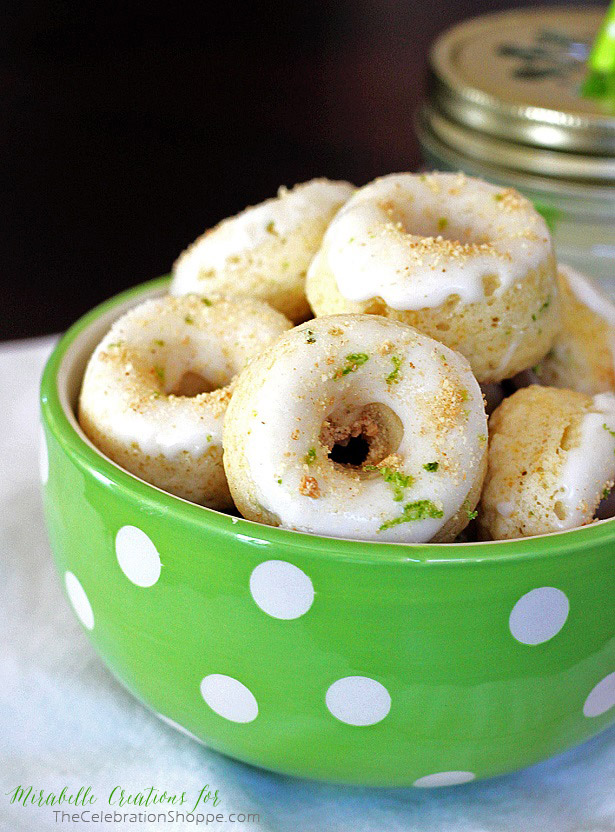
pixel 128 128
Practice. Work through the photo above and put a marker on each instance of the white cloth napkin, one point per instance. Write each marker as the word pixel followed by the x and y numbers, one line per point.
pixel 64 720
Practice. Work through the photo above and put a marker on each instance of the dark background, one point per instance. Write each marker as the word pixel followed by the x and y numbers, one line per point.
pixel 128 128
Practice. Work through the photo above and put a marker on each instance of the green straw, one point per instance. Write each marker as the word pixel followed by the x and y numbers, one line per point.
pixel 602 56
pixel 600 81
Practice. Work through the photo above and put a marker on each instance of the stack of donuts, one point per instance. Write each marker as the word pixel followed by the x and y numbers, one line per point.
pixel 403 362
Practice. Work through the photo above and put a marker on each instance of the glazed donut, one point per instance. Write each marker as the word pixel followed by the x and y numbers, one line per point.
pixel 466 262
pixel 551 461
pixel 356 426
pixel 265 251
pixel 157 386
pixel 583 353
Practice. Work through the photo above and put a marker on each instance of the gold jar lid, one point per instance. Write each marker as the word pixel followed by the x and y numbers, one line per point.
pixel 506 88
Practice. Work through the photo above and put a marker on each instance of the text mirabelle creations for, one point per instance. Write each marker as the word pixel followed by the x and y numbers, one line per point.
pixel 85 796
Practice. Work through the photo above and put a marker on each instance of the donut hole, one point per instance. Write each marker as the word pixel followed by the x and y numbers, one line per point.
pixel 192 384
pixel 355 438
pixel 352 452
pixel 437 223
pixel 186 373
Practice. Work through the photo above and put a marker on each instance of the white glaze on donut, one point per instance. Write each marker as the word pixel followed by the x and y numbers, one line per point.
pixel 134 403
pixel 433 393
pixel 415 240
pixel 192 426
pixel 589 465
pixel 254 226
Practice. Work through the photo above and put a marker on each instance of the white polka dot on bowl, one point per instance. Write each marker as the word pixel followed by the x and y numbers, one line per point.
pixel 539 615
pixel 137 556
pixel 601 698
pixel 358 700
pixel 444 778
pixel 79 600
pixel 281 589
pixel 229 698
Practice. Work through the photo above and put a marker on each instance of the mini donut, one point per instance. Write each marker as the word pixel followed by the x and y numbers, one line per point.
pixel 583 354
pixel 265 251
pixel 356 426
pixel 466 262
pixel 156 388
pixel 551 461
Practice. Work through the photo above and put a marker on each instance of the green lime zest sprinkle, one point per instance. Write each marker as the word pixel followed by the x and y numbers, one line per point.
pixel 270 227
pixel 353 362
pixel 481 437
pixel 285 264
pixel 396 480
pixel 393 376
pixel 431 466
pixel 498 197
pixel 605 492
pixel 280 481
pixel 206 302
pixel 472 515
pixel 114 344
pixel 160 373
pixel 545 305
pixel 608 429
pixel 310 456
pixel 442 223
pixel 208 437
pixel 310 338
pixel 159 342
pixel 419 510
pixel 189 319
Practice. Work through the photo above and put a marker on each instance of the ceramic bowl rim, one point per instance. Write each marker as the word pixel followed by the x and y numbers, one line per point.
pixel 64 427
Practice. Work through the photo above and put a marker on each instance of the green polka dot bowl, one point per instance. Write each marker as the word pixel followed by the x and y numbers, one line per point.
pixel 365 663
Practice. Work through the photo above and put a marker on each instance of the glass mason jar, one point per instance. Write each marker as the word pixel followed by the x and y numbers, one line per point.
pixel 505 103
